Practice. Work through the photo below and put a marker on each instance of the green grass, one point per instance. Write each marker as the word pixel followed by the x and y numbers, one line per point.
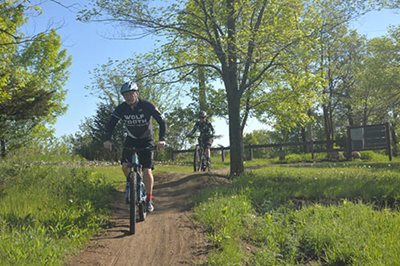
pixel 292 214
pixel 315 214
pixel 50 205
pixel 46 212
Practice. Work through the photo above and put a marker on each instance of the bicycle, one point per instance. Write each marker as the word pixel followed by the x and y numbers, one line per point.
pixel 135 180
pixel 201 162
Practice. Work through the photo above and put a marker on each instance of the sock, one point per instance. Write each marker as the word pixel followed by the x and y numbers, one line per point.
pixel 149 197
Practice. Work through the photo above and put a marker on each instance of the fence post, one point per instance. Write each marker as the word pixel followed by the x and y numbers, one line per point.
pixel 312 150
pixel 281 154
pixel 349 148
pixel 222 153
pixel 250 153
pixel 388 147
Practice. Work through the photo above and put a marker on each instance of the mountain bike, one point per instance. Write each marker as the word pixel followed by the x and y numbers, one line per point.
pixel 137 206
pixel 200 160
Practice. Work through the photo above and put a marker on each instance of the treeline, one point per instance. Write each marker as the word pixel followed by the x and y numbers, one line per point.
pixel 33 71
pixel 301 70
pixel 361 89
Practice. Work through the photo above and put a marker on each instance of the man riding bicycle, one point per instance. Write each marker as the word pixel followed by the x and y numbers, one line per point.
pixel 206 133
pixel 136 115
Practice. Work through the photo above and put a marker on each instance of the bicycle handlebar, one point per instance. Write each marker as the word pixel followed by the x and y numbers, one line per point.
pixel 141 149
pixel 212 136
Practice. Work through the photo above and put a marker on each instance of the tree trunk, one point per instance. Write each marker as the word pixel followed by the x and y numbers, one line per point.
pixel 235 136
pixel 202 81
pixel 304 139
pixel 328 129
pixel 202 90
pixel 230 70
pixel 394 135
pixel 365 116
pixel 350 115
pixel 2 148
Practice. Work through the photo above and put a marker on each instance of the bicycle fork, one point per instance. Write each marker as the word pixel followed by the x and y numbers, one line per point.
pixel 141 191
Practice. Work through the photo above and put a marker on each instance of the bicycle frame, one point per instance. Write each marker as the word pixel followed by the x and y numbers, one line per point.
pixel 200 159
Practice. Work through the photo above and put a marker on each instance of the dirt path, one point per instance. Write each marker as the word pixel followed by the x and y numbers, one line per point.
pixel 168 236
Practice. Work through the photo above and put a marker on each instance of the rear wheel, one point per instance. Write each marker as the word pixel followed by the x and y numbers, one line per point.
pixel 132 203
pixel 142 211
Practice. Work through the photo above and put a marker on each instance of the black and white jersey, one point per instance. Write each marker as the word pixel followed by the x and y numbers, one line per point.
pixel 137 121
pixel 205 128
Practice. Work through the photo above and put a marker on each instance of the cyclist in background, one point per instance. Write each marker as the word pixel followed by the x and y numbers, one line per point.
pixel 136 115
pixel 206 133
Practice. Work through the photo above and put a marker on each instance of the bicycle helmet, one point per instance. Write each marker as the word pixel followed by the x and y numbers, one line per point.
pixel 202 114
pixel 129 86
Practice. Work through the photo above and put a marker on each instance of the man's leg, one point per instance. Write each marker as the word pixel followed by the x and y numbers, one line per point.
pixel 148 180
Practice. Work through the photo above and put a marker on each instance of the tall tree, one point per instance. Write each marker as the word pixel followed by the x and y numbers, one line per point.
pixel 380 82
pixel 246 41
pixel 32 76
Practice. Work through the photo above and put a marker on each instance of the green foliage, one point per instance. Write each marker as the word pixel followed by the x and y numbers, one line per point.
pixel 225 217
pixel 348 234
pixel 180 122
pixel 33 73
pixel 371 156
pixel 335 214
pixel 88 142
pixel 48 211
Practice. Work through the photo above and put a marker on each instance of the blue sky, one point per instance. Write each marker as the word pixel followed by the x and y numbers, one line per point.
pixel 89 48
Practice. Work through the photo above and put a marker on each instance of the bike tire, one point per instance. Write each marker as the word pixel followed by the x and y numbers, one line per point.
pixel 132 203
pixel 142 211
pixel 203 161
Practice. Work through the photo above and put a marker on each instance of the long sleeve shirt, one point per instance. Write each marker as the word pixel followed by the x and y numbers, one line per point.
pixel 137 121
pixel 205 128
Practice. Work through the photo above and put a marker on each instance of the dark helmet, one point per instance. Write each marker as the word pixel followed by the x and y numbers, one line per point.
pixel 129 86
pixel 202 114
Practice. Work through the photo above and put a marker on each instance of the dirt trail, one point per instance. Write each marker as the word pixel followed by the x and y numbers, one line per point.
pixel 167 236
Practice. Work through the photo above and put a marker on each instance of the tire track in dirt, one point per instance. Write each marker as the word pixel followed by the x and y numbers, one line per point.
pixel 168 236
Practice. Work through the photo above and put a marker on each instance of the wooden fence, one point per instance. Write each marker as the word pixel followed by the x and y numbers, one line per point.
pixel 309 146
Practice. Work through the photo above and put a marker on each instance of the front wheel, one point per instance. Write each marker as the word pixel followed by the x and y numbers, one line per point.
pixel 132 203
pixel 197 159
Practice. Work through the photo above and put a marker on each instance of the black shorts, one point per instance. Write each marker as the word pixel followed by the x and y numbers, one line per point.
pixel 145 157
pixel 205 142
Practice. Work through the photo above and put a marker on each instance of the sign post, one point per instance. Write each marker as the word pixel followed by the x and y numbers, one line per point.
pixel 371 137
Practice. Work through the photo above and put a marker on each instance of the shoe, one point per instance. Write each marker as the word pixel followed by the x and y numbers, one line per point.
pixel 149 206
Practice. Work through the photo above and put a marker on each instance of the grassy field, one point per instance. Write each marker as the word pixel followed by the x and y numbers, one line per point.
pixel 306 214
pixel 296 213
pixel 49 208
